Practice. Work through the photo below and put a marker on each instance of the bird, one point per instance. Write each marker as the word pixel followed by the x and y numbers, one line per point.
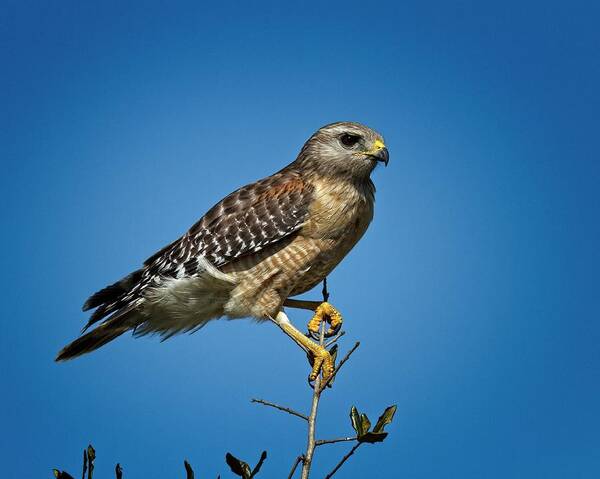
pixel 253 251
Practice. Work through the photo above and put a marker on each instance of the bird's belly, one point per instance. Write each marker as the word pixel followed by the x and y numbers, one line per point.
pixel 332 253
pixel 335 239
pixel 311 278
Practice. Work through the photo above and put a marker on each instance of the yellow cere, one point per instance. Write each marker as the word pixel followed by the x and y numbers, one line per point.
pixel 378 145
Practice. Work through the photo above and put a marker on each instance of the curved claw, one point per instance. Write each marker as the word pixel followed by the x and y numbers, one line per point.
pixel 322 362
pixel 325 312
pixel 315 335
pixel 334 328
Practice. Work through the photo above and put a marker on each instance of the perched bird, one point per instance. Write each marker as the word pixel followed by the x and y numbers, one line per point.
pixel 263 243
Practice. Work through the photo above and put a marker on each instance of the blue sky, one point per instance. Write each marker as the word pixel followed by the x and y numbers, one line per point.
pixel 474 292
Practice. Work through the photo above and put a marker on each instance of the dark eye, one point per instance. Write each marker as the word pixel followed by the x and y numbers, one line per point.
pixel 349 140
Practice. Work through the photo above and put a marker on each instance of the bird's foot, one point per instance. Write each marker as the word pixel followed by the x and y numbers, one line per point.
pixel 321 362
pixel 325 312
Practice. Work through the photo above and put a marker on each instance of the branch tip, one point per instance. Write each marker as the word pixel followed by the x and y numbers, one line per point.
pixel 281 408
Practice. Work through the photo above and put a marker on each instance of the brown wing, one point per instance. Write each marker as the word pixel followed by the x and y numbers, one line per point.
pixel 244 222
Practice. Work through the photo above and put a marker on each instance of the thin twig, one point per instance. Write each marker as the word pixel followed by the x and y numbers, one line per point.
pixel 256 469
pixel 281 408
pixel 341 363
pixel 283 323
pixel 344 459
pixel 333 340
pixel 312 418
pixel 320 442
pixel 296 462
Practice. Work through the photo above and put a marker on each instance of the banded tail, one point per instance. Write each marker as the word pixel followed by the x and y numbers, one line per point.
pixel 117 301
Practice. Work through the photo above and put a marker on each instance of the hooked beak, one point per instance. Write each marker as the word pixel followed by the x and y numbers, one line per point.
pixel 380 152
pixel 382 155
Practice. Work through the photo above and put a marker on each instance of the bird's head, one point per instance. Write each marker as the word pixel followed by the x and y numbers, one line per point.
pixel 344 148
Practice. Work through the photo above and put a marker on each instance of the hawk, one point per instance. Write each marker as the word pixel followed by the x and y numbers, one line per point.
pixel 260 245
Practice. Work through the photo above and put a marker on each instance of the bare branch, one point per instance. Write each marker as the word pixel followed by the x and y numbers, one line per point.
pixel 256 469
pixel 312 418
pixel 298 460
pixel 281 408
pixel 333 340
pixel 320 442
pixel 343 460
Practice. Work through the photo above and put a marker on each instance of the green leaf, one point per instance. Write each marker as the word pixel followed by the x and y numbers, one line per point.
pixel 385 419
pixel 372 437
pixel 355 419
pixel 91 456
pixel 91 453
pixel 365 424
pixel 238 466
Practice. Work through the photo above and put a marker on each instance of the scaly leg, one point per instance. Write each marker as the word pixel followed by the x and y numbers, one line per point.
pixel 323 312
pixel 323 362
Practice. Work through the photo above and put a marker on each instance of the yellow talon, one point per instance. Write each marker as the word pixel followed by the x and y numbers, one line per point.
pixel 325 312
pixel 322 361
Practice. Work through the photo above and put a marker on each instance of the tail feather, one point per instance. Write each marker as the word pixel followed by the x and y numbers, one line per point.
pixel 113 292
pixel 116 325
